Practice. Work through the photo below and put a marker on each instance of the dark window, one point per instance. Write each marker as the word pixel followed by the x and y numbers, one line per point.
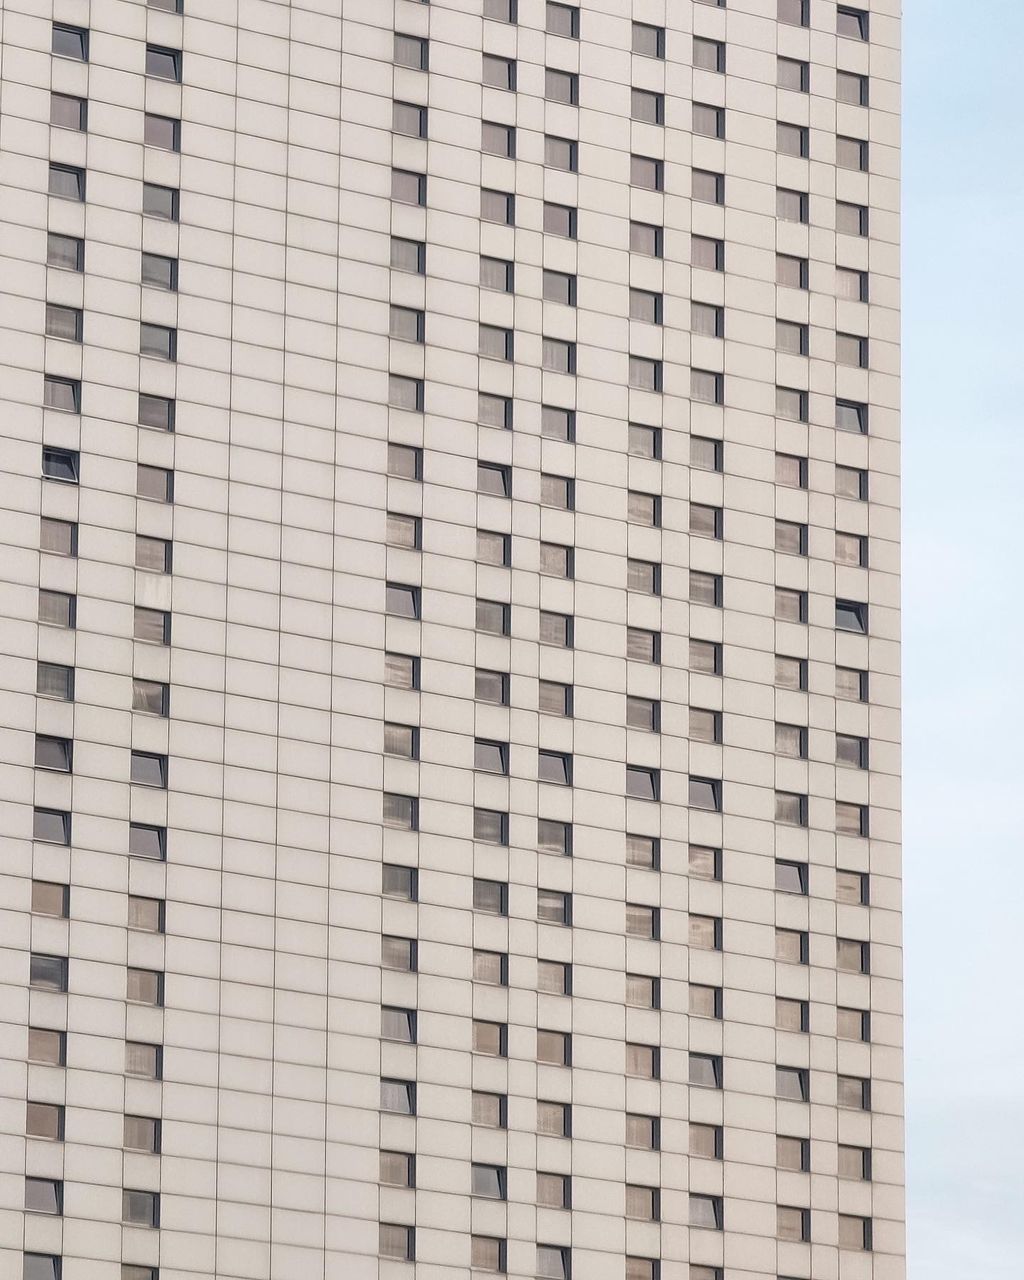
pixel 60 464
pixel 48 973
pixel 160 202
pixel 65 252
pixel 44 1195
pixel 147 841
pixel 156 411
pixel 163 63
pixel 70 42
pixel 66 182
pixel 68 112
pixel 163 132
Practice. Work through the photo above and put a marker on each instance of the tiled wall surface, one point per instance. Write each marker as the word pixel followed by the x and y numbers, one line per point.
pixel 450 640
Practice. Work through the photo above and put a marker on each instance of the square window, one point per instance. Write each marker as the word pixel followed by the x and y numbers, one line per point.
pixel 554 1119
pixel 646 172
pixel 554 698
pixel 642 1132
pixel 643 851
pixel 399 882
pixel 59 537
pixel 494 411
pixel 498 206
pixel 555 423
pixel 852 615
pixel 398 1024
pixel 790 471
pixel 70 42
pixel 851 219
pixel 556 491
pixel 497 274
pixel 707 320
pixel 643 646
pixel 851 483
pixel 791 206
pixel 705 522
pixel 642 784
pixel 647 107
pixel 66 253
pixel 562 20
pixel 64 394
pixel 44 1195
pixel 705 588
pixel 704 863
pixel 143 1060
pixel 705 793
pixel 705 726
pixel 163 132
pixel 791 338
pixel 398 1097
pixel 560 220
pixel 790 538
pixel 397 1168
pixel 705 1141
pixel 792 1015
pixel 49 899
pixel 646 239
pixel 853 887
pixel 791 404
pixel 554 1048
pixel 643 576
pixel 160 202
pixel 66 182
pixel 644 442
pixel 642 1061
pixel 648 41
pixel 852 88
pixel 561 86
pixel 790 606
pixel 792 139
pixel 409 119
pixel 48 973
pixel 397 1241
pixel 851 22
pixel 642 1203
pixel 495 343
pixel 150 696
pixel 645 306
pixel 142 1133
pixel 791 877
pixel 706 1211
pixel 791 946
pixel 145 914
pixel 408 255
pixel 411 51
pixel 792 1083
pixel 707 387
pixel 851 415
pixel 554 977
pixel 406 324
pixel 792 1223
pixel 41 1266
pixel 489 1109
pixel 51 826
pixel 165 64
pixel 709 55
pixel 708 121
pixel 499 73
pixel 790 673
pixel 643 713
pixel 46 1046
pixel 555 629
pixel 554 907
pixel 792 273
pixel 490 826
pixel 408 187
pixel 641 921
pixel 791 740
pixel 791 808
pixel 793 74
pixel 500 10
pixel 853 1024
pixel 400 811
pixel 853 1092
pixel 707 253
pixel 708 188
pixel 158 341
pixel 67 112
pixel 794 12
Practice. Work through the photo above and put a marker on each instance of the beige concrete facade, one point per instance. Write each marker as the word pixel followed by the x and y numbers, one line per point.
pixel 450 746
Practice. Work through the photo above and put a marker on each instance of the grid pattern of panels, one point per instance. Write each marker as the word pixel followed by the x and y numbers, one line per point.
pixel 451 572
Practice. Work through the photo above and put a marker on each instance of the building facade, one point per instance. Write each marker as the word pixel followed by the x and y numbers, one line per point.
pixel 450 640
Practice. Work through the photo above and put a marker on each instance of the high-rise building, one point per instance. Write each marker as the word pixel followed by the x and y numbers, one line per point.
pixel 450 643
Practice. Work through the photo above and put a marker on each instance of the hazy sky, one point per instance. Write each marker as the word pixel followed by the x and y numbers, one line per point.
pixel 963 432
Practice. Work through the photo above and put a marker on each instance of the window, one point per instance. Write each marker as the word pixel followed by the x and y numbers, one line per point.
pixel 553 1262
pixel 159 341
pixel 855 1163
pixel 791 206
pixel 645 306
pixel 643 992
pixel 490 826
pixel 560 220
pixel 399 882
pixel 48 973
pixel 853 286
pixel 642 1203
pixel 647 173
pixel 642 1132
pixel 709 55
pixel 790 673
pixel 705 726
pixel 853 1092
pixel 643 784
pixel 65 252
pixel 643 508
pixel 498 206
pixel 644 442
pixel 851 751
pixel 397 1241
pixel 706 1211
pixel 489 1109
pixel 641 921
pixel 791 338
pixel 790 470
pixel 791 273
pixel 852 416
pixel 561 86
pixel 487 1253
pixel 648 107
pixel 708 188
pixel 554 1048
pixel 792 139
pixel 408 255
pixel 705 588
pixel 70 42
pixel 494 411
pixel 62 393
pixel 165 64
pixel 49 899
pixel 398 953
pixel 398 1024
pixel 398 1168
pixel 707 320
pixel 793 1223
pixel 493 617
pixel 707 253
pixel 643 851
pixel 704 863
pixel 152 626
pixel 163 132
pixel 791 740
pixel 851 219
pixel 853 956
pixel 408 118
pixel 644 375
pixel 411 51
pixel 555 629
pixel 53 753
pixel 554 767
pixel 401 740
pixel 790 538
pixel 145 914
pixel 67 112
pixel 492 686
pixel 643 576
pixel 554 1190
pixel 554 907
pixel 852 887
pixel 851 483
pixel 160 202
pixel 400 811
pixel 705 522
pixel 562 20
pixel 793 12
pixel 497 274
pixel 495 343
pixel 144 1060
pixel 51 826
pixel 44 1120
pixel 66 182
pixel 41 1266
pixel 141 1133
pixel 705 1273
pixel 851 22
pixel 790 606
pixel 792 74
pixel 792 1083
pixel 643 646
pixel 60 537
pixel 854 1232
pixel 406 324
pixel 500 10
pixel 704 933
pixel 706 1141
pixel 852 153
pixel 852 88
pixel 402 601
pixel 398 1096
pixel 128 1270
pixel 790 809
pixel 408 187
pixel 403 531
pixel 46 1046
pixel 44 1195
pixel 792 1015
pixel 558 356
pixel 643 713
pixel 642 1061
pixel 554 978
pixel 554 1119
pixel 499 73
pixel 488 1180
pixel 707 387
pixel 151 697
pixel 791 877
pixel 852 615
pixel 648 41
pixel 156 411
pixel 493 548
pixel 555 423
pixel 491 757
pixel 853 1024
pixel 793 1154
pixel 791 404
pixel 144 986
pixel 646 240
pixel 490 1038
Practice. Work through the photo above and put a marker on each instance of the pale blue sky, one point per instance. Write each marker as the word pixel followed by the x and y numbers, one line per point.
pixel 963 463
